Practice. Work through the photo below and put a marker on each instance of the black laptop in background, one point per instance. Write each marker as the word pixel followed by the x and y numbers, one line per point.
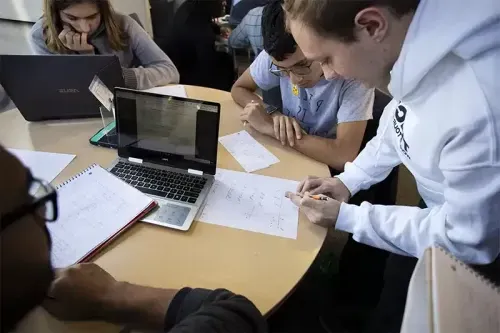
pixel 52 87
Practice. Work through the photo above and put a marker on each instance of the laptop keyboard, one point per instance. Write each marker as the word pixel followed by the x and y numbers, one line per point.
pixel 162 183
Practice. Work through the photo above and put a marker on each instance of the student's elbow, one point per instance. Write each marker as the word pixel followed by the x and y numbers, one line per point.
pixel 169 75
pixel 236 91
pixel 166 71
pixel 174 75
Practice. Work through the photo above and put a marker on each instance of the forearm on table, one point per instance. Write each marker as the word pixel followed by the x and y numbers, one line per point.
pixel 138 307
pixel 333 152
pixel 243 96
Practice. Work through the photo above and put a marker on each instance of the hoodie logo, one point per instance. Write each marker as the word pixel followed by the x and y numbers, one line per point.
pixel 399 122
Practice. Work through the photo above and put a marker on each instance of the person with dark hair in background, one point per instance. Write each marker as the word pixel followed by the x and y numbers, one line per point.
pixel 323 119
pixel 86 291
pixel 438 60
pixel 191 46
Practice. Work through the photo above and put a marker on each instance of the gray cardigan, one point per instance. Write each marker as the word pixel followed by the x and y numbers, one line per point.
pixel 144 64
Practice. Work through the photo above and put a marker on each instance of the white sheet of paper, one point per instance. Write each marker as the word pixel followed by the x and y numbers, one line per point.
pixel 173 90
pixel 251 202
pixel 248 152
pixel 46 166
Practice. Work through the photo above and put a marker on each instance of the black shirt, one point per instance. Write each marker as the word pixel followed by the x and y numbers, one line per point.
pixel 217 311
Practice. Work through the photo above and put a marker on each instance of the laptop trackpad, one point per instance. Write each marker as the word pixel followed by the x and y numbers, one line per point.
pixel 171 214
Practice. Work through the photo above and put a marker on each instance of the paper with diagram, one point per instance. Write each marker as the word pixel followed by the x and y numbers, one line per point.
pixel 248 152
pixel 251 202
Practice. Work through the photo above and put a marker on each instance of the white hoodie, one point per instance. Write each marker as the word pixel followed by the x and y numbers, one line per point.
pixel 444 125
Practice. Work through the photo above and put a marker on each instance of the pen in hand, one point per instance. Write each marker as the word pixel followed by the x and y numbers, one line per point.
pixel 319 197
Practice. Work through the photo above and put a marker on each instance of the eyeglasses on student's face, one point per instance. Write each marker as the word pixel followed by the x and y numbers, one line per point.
pixel 296 70
pixel 43 203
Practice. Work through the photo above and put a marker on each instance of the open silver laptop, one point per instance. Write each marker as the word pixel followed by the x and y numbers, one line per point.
pixel 167 148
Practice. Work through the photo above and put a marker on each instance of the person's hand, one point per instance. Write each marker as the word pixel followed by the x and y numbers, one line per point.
pixel 286 129
pixel 320 212
pixel 81 292
pixel 75 41
pixel 255 115
pixel 330 186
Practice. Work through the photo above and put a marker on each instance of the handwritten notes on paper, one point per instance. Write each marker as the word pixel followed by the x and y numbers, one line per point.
pixel 248 152
pixel 93 207
pixel 251 202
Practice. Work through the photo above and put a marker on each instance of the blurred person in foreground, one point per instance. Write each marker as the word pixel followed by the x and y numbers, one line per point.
pixel 86 291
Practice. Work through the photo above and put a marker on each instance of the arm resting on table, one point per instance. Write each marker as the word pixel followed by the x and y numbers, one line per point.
pixel 334 152
pixel 187 310
pixel 243 90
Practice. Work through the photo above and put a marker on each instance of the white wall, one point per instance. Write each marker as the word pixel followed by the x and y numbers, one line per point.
pixel 31 10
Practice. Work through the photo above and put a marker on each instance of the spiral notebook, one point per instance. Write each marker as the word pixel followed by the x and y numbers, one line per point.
pixel 445 295
pixel 94 208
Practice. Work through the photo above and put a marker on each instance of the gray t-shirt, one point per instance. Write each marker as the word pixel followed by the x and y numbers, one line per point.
pixel 318 109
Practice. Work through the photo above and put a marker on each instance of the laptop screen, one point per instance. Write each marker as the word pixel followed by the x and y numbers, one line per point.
pixel 169 130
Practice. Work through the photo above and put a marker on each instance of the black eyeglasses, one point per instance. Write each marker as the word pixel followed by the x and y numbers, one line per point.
pixel 43 205
pixel 296 70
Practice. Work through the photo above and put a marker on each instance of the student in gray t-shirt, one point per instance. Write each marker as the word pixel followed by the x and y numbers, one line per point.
pixel 323 119
pixel 92 27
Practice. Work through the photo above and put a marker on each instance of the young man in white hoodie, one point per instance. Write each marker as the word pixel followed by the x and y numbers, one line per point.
pixel 440 61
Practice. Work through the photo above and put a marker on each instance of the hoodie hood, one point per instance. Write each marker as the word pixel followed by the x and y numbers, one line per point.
pixel 435 32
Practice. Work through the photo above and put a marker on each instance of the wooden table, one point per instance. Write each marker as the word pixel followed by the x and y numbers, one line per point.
pixel 263 268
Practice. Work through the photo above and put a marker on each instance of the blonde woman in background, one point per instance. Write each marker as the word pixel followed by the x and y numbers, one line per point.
pixel 93 27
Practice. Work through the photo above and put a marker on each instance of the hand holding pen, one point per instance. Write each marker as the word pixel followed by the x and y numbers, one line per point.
pixel 319 209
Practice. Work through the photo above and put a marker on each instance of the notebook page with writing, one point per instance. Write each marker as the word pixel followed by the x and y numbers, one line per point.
pixel 93 207
pixel 463 300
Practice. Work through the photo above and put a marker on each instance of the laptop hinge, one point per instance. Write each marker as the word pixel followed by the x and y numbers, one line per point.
pixel 135 160
pixel 195 172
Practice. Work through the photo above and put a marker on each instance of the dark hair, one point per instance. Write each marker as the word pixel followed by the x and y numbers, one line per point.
pixel 208 8
pixel 278 42
pixel 336 17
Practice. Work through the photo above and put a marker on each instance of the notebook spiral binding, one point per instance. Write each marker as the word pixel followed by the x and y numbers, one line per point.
pixel 75 177
pixel 480 277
